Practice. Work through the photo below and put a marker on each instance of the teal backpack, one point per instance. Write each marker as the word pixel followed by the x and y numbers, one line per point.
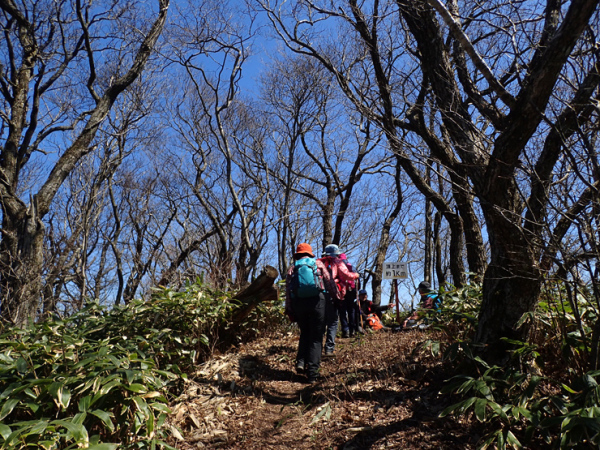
pixel 307 280
pixel 437 301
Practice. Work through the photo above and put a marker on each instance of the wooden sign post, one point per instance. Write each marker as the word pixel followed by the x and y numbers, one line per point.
pixel 395 271
pixel 397 300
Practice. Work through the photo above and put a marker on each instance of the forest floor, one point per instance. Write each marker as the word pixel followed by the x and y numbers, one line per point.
pixel 378 391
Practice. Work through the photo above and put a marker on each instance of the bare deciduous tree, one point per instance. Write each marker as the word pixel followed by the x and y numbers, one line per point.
pixel 47 46
pixel 491 91
pixel 222 141
pixel 324 149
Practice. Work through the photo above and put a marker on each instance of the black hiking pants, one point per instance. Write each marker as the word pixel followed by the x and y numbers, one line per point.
pixel 347 312
pixel 310 316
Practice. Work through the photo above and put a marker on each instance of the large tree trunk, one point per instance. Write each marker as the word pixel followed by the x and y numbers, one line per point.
pixel 21 264
pixel 21 247
pixel 385 238
pixel 439 269
pixel 474 245
pixel 511 287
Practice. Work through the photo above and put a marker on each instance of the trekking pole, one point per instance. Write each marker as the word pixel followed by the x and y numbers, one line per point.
pixel 358 302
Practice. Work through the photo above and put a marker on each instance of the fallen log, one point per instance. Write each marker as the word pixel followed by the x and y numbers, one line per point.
pixel 260 290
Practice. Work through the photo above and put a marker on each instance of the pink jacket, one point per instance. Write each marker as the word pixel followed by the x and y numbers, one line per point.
pixel 327 281
pixel 340 274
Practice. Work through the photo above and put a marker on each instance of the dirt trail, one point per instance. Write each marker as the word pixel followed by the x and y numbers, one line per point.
pixel 375 393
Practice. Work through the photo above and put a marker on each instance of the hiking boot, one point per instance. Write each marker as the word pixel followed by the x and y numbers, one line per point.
pixel 328 353
pixel 299 366
pixel 352 333
pixel 411 324
pixel 314 379
pixel 345 334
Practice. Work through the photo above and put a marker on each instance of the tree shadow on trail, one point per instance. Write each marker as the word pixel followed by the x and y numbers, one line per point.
pixel 413 396
pixel 408 389
pixel 256 369
pixel 378 435
pixel 414 390
pixel 281 350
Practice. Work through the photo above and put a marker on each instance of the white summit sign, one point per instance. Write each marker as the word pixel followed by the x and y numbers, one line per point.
pixel 394 270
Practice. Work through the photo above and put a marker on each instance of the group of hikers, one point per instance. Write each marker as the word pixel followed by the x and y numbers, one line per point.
pixel 321 291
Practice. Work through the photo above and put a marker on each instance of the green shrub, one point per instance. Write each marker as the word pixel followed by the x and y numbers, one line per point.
pixel 543 397
pixel 521 409
pixel 563 323
pixel 102 378
pixel 459 310
pixel 65 390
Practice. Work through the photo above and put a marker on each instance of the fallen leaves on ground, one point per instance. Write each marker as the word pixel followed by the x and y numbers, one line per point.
pixel 378 391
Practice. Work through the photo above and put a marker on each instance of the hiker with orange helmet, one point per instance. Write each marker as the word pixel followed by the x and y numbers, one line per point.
pixel 307 282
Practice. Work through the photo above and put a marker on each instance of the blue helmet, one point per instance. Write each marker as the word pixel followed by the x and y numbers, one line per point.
pixel 362 292
pixel 332 250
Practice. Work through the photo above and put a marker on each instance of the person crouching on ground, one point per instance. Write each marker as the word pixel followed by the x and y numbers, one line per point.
pixel 428 301
pixel 367 307
pixel 307 282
